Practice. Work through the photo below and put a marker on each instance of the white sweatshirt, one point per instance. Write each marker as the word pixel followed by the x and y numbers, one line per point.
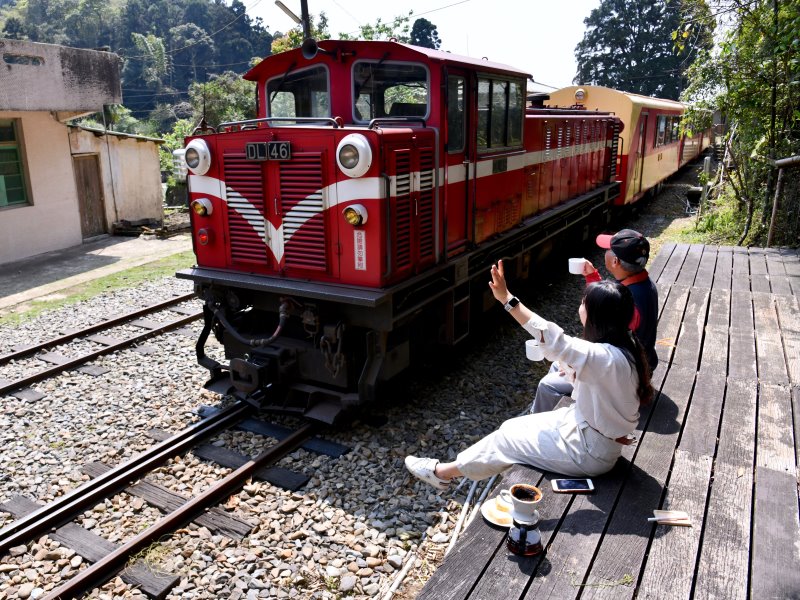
pixel 605 380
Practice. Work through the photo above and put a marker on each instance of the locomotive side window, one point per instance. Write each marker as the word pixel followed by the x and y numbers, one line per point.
pixel 661 130
pixel 455 114
pixel 303 93
pixel 500 113
pixel 389 90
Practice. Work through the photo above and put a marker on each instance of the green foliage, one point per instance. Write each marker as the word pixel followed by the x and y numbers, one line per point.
pixel 753 79
pixel 294 37
pixel 629 45
pixel 425 34
pixel 172 141
pixel 226 97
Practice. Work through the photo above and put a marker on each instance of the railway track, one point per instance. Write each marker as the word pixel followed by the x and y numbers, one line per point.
pixel 107 344
pixel 64 509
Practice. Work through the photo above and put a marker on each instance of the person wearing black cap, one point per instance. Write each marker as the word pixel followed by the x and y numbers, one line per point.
pixel 627 253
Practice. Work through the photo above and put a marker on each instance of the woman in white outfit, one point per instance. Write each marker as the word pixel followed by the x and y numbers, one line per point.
pixel 611 382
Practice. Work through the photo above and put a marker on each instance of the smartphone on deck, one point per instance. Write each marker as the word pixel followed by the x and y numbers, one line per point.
pixel 572 486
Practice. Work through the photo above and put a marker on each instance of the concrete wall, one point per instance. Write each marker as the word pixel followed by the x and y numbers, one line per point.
pixel 130 171
pixel 52 221
pixel 37 76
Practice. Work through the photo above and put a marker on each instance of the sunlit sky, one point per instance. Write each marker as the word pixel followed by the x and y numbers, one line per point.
pixel 537 36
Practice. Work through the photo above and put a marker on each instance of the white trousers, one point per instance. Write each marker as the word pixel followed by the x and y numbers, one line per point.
pixel 551 441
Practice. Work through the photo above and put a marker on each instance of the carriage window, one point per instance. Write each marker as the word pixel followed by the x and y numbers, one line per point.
pixel 389 90
pixel 500 113
pixel 455 114
pixel 12 169
pixel 661 130
pixel 300 94
pixel 676 129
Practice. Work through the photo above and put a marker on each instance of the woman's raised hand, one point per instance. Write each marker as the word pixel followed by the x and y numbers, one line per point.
pixel 498 283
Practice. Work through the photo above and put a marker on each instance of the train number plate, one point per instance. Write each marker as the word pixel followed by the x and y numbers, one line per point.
pixel 279 150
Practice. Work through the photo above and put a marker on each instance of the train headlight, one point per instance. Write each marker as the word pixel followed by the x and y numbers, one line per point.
pixel 580 95
pixel 354 155
pixel 202 207
pixel 198 157
pixel 355 214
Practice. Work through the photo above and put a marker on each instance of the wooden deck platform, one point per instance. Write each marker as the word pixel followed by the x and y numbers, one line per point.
pixel 720 442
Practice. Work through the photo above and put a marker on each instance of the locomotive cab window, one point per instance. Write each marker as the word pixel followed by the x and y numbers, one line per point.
pixel 13 188
pixel 389 90
pixel 456 114
pixel 302 93
pixel 501 110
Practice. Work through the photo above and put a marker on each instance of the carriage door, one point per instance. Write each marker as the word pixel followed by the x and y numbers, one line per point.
pixel 638 168
pixel 458 191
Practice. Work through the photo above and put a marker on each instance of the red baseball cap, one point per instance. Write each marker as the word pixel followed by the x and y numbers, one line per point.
pixel 628 245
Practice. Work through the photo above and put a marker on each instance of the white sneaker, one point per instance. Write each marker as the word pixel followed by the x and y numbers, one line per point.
pixel 424 469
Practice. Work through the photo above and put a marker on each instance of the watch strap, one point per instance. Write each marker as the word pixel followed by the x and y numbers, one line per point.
pixel 511 303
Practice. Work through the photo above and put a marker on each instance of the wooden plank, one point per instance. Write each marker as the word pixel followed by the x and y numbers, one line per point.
pixel 779 282
pixel 93 548
pixel 796 415
pixel 54 358
pixel 789 317
pixel 699 435
pixel 674 550
pixel 673 267
pixel 724 268
pixel 690 339
pixel 215 519
pixel 464 566
pixel 660 261
pixel 719 308
pixel 741 271
pixel 776 531
pixel 690 265
pixel 670 322
pixel 723 563
pixel 715 350
pixel 775 449
pixel 705 271
pixel 623 547
pixel 791 261
pixel 726 533
pixel 145 323
pixel 769 346
pixel 759 280
pixel 741 311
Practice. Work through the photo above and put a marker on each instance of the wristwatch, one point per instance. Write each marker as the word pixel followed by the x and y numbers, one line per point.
pixel 511 303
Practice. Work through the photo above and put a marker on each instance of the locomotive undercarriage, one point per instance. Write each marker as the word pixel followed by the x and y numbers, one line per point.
pixel 317 350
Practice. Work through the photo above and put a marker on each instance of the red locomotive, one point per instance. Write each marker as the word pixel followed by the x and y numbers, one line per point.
pixel 356 219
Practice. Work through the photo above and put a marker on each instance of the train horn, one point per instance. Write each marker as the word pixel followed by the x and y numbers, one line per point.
pixel 309 48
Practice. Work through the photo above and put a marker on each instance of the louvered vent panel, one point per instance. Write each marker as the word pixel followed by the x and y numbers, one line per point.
pixel 426 204
pixel 305 243
pixel 402 208
pixel 245 193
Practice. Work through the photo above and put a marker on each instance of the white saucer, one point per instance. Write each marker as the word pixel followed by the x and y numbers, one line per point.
pixel 495 516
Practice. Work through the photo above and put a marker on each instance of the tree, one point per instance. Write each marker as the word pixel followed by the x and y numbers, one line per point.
pixel 753 79
pixel 425 34
pixel 226 97
pixel 628 45
pixel 294 37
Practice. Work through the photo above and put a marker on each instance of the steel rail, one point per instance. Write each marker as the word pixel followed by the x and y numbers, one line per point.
pixel 71 335
pixel 104 569
pixel 79 360
pixel 66 507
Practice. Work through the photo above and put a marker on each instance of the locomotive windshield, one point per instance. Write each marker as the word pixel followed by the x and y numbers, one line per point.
pixel 300 94
pixel 389 90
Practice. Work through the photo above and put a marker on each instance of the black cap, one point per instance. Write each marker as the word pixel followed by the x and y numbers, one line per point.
pixel 627 245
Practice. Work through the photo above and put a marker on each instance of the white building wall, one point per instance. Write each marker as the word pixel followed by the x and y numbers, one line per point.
pixel 130 171
pixel 52 220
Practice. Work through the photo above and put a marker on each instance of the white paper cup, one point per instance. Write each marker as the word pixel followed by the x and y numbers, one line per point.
pixel 533 350
pixel 576 265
